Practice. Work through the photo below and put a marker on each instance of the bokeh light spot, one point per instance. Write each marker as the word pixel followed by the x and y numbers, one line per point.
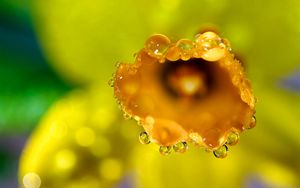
pixel 32 180
pixel 65 159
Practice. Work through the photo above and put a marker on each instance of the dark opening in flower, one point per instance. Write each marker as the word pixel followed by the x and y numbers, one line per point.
pixel 191 79
pixel 188 91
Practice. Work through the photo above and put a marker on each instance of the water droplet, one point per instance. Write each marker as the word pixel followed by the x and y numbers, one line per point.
pixel 226 44
pixel 185 44
pixel 173 53
pixel 233 138
pixel 118 64
pixel 140 122
pixel 165 150
pixel 144 138
pixel 252 123
pixel 157 45
pixel 120 105
pixel 221 152
pixel 126 116
pixel 180 147
pixel 214 54
pixel 186 48
pixel 136 118
pixel 208 41
pixel 211 46
pixel 111 82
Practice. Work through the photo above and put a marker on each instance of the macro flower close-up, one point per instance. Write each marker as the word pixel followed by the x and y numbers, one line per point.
pixel 186 91
pixel 149 94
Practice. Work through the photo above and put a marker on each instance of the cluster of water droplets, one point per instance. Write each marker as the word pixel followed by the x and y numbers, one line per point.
pixel 232 139
pixel 208 46
pixel 180 147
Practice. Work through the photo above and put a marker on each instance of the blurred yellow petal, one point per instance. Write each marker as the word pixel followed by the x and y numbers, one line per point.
pixel 70 148
pixel 198 169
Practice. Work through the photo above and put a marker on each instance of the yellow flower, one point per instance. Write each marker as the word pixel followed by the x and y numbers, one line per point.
pixel 187 91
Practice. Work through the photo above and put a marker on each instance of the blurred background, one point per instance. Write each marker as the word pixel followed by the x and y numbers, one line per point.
pixel 60 125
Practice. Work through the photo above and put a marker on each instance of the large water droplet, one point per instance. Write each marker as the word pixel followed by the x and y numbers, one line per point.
pixel 186 48
pixel 221 152
pixel 233 138
pixel 211 46
pixel 208 41
pixel 157 45
pixel 144 138
pixel 180 147
pixel 165 150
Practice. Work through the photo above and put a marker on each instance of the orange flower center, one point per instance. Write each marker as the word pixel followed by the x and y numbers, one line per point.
pixel 187 79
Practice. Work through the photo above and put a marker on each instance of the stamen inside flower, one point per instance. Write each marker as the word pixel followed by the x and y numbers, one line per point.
pixel 187 79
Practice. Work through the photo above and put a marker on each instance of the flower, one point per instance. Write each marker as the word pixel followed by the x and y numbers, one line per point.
pixel 187 91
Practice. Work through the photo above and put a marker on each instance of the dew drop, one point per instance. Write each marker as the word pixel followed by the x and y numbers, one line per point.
pixel 226 44
pixel 111 82
pixel 213 54
pixel 157 45
pixel 173 53
pixel 118 64
pixel 252 123
pixel 140 122
pixel 185 44
pixel 126 116
pixel 208 41
pixel 186 48
pixel 165 150
pixel 180 147
pixel 233 138
pixel 221 152
pixel 144 138
pixel 120 106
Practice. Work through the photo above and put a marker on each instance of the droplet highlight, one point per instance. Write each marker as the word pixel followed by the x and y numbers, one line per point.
pixel 211 46
pixel 221 152
pixel 157 45
pixel 208 41
pixel 180 147
pixel 252 123
pixel 165 150
pixel 144 138
pixel 185 47
pixel 233 138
